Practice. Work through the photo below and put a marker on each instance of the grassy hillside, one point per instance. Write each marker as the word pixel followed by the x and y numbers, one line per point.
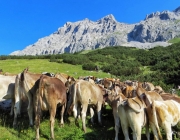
pixel 16 66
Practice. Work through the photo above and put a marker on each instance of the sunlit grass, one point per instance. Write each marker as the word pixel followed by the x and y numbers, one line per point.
pixel 16 66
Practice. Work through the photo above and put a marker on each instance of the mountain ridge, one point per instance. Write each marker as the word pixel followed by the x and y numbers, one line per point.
pixel 156 29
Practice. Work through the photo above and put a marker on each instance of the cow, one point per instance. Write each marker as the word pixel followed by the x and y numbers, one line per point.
pixel 163 114
pixel 129 115
pixel 50 92
pixel 7 86
pixel 108 82
pixel 9 74
pixel 63 77
pixel 148 86
pixel 169 96
pixel 131 112
pixel 24 90
pixel 84 93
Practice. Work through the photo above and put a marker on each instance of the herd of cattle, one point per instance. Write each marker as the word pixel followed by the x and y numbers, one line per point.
pixel 134 104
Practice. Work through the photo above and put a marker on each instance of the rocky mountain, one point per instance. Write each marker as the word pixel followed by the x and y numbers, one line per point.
pixel 156 29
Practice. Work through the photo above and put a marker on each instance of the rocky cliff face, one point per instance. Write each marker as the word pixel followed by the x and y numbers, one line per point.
pixel 156 29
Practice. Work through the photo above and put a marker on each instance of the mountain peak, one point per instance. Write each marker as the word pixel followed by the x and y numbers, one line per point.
pixel 177 10
pixel 108 18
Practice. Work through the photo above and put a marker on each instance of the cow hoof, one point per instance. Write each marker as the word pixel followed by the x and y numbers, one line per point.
pixel 178 135
pixel 61 125
pixel 31 125
pixel 14 126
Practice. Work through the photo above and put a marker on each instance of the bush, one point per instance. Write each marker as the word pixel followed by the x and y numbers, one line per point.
pixel 89 66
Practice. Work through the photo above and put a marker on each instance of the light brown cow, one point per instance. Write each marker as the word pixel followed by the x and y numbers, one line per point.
pixel 164 114
pixel 150 95
pixel 24 90
pixel 51 91
pixel 85 93
pixel 127 113
pixel 108 82
pixel 148 86
pixel 63 77
pixel 131 113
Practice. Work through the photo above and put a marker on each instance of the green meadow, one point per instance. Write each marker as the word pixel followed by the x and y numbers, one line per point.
pixel 16 66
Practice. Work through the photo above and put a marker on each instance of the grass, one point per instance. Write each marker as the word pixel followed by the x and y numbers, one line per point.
pixel 174 40
pixel 16 66
pixel 70 131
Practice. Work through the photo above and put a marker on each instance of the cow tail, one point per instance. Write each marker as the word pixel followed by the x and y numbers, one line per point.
pixel 155 120
pixel 73 98
pixel 39 93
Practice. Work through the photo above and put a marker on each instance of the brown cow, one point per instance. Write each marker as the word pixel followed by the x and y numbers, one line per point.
pixel 168 96
pixel 85 93
pixel 51 91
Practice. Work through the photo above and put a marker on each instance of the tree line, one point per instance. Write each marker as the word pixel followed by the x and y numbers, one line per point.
pixel 159 65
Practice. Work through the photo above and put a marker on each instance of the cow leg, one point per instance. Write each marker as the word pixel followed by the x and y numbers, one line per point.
pixel 116 121
pixel 99 106
pixel 12 106
pixel 37 110
pixel 125 130
pixel 83 115
pixel 92 114
pixel 52 112
pixel 147 132
pixel 30 111
pixel 136 132
pixel 17 107
pixel 155 133
pixel 79 112
pixel 168 130
pixel 37 123
pixel 62 115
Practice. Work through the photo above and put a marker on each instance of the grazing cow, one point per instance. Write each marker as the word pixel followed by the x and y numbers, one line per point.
pixel 148 86
pixel 85 93
pixel 164 114
pixel 51 91
pixel 7 84
pixel 24 90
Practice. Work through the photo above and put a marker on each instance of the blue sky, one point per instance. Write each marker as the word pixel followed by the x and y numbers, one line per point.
pixel 23 22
